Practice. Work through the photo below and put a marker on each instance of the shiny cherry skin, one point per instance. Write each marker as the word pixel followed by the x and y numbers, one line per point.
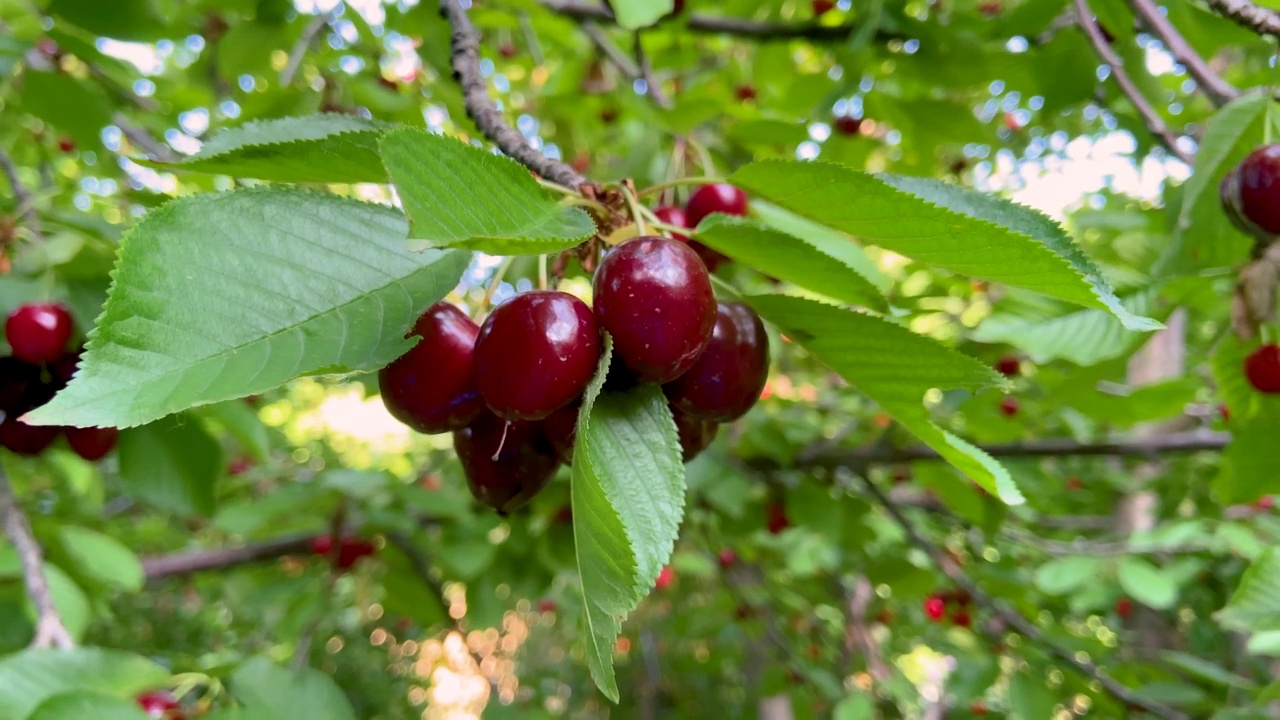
pixel 561 430
pixel 92 444
pixel 673 215
pixel 665 577
pixel 39 332
pixel 535 354
pixel 1257 188
pixel 728 377
pixel 506 463
pixel 695 433
pixel 159 704
pixel 432 388
pixel 654 296
pixel 935 608
pixel 1262 369
pixel 715 198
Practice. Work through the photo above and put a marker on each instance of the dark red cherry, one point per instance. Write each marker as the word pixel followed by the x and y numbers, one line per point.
pixel 561 429
pixel 822 7
pixel 1258 185
pixel 1009 366
pixel 716 198
pixel 506 463
pixel 745 92
pixel 38 332
pixel 775 517
pixel 159 704
pixel 535 354
pixel 17 381
pixel 92 443
pixel 65 368
pixel 653 295
pixel 727 558
pixel 321 544
pixel 673 215
pixel 66 145
pixel 1262 369
pixel 432 388
pixel 1009 406
pixel 935 608
pixel 727 378
pixel 695 433
pixel 25 439
pixel 351 550
pixel 846 125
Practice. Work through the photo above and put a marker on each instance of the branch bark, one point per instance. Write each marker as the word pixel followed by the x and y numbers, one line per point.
pixel 717 24
pixel 162 566
pixel 1263 21
pixel 1215 88
pixel 465 44
pixel 26 203
pixel 50 632
pixel 1151 118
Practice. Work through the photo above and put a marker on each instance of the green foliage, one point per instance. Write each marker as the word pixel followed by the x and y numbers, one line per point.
pixel 267 689
pixel 30 678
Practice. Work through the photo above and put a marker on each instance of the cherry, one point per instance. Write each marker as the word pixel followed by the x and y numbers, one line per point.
pixel 92 444
pixel 432 388
pixel 239 465
pixel 1252 189
pixel 935 607
pixel 535 354
pixel 695 434
pixel 1266 502
pixel 17 380
pixel 978 708
pixel 1124 608
pixel 159 704
pixel 776 520
pixel 546 606
pixel 962 597
pixel 846 125
pixel 581 162
pixel 665 578
pixel 1009 406
pixel 506 463
pixel 66 145
pixel 1009 366
pixel 653 295
pixel 1225 412
pixel 350 550
pixel 561 429
pixel 1262 369
pixel 24 439
pixel 961 618
pixel 728 377
pixel 1011 122
pixel 990 8
pixel 507 50
pixel 822 7
pixel 745 92
pixel 38 332
pixel 715 198
pixel 673 215
pixel 727 558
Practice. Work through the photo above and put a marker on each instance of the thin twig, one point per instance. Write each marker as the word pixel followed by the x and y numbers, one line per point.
pixel 26 203
pixel 162 566
pixel 606 45
pixel 1012 617
pixel 300 47
pixel 1218 90
pixel 1150 117
pixel 1263 21
pixel 652 88
pixel 465 42
pixel 143 139
pixel 50 632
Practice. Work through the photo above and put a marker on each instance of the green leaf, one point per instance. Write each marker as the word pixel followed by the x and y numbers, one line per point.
pixel 1029 696
pixel 405 592
pixel 241 422
pixel 1084 337
pixel 327 148
pixel 29 678
pixel 636 14
pixel 218 296
pixel 1253 606
pixel 1249 468
pixel 69 600
pixel 871 354
pixel 829 242
pixel 1147 583
pixel 173 463
pixel 78 109
pixel 788 258
pixel 461 196
pixel 120 19
pixel 953 228
pixel 80 705
pixel 263 686
pixel 1062 575
pixel 628 499
pixel 101 557
pixel 1205 670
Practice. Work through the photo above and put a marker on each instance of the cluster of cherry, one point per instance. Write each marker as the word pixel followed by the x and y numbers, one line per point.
pixel 1250 195
pixel 40 366
pixel 510 389
pixel 935 607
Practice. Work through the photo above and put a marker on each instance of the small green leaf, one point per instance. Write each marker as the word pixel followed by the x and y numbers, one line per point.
pixel 218 296
pixel 241 422
pixel 833 243
pixel 788 258
pixel 1253 606
pixel 871 353
pixel 308 693
pixel 954 228
pixel 79 109
pixel 628 499
pixel 1062 575
pixel 328 148
pixel 120 19
pixel 1146 583
pixel 1206 670
pixel 101 557
pixel 173 463
pixel 461 196
pixel 1084 337
pixel 69 600
pixel 636 14
pixel 29 678
pixel 81 704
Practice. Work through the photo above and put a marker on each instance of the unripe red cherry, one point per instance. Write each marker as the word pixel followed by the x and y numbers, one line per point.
pixel 1009 406
pixel 159 704
pixel 935 608
pixel 822 7
pixel 38 332
pixel 432 388
pixel 546 606
pixel 695 433
pixel 535 354
pixel 506 463
pixel 715 198
pixel 1009 366
pixel 653 295
pixel 727 378
pixel 1252 189
pixel 1262 369
pixel 93 443
pixel 978 708
pixel 846 125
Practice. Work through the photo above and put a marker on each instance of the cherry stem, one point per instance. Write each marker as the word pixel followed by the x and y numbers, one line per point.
pixel 494 283
pixel 652 218
pixel 557 187
pixel 579 201
pixel 637 210
pixel 505 427
pixel 696 180
pixel 542 272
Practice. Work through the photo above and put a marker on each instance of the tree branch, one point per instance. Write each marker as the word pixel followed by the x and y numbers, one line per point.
pixel 651 86
pixel 604 44
pixel 1263 21
pixel 300 47
pixel 1012 617
pixel 1152 119
pixel 50 632
pixel 26 203
pixel 143 139
pixel 465 43
pixel 187 563
pixel 1218 90
pixel 717 24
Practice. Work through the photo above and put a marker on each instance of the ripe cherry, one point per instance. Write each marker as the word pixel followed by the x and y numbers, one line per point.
pixel 1009 366
pixel 935 608
pixel 432 388
pixel 506 463
pixel 745 92
pixel 727 558
pixel 1262 369
pixel 546 606
pixel 38 332
pixel 978 708
pixel 350 550
pixel 1251 191
pixel 507 50
pixel 673 215
pixel 715 198
pixel 1009 406
pixel 1124 608
pixel 822 7
pixel 561 430
pixel 1075 483
pixel 728 377
pixel 775 518
pixel 66 145
pixel 961 618
pixel 535 354
pixel 17 381
pixel 92 444
pixel 159 704
pixel 665 578
pixel 654 296
pixel 24 439
pixel 1266 502
pixel 695 433
pixel 846 125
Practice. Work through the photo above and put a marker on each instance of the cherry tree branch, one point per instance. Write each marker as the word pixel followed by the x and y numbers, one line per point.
pixel 50 632
pixel 1263 21
pixel 606 45
pixel 1218 90
pixel 186 563
pixel 652 88
pixel 300 48
pixel 1151 118
pixel 465 44
pixel 1011 617
pixel 26 203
